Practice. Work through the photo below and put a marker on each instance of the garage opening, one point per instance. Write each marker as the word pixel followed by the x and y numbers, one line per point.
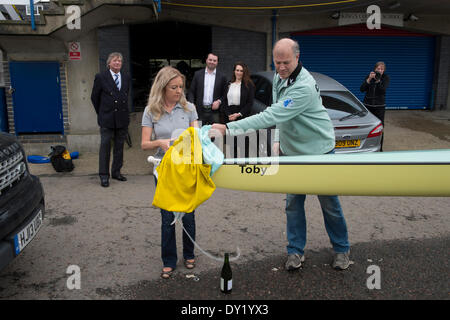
pixel 153 46
pixel 348 53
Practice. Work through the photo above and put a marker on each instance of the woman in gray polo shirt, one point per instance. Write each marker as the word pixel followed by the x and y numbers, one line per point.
pixel 166 116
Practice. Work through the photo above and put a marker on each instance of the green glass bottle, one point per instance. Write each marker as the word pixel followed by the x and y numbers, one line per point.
pixel 226 277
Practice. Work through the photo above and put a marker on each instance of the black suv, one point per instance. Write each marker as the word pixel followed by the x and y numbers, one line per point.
pixel 21 200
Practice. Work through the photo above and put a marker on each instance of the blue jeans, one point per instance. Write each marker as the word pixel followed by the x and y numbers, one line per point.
pixel 296 223
pixel 168 237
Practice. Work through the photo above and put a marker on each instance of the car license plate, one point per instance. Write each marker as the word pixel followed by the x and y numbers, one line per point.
pixel 24 237
pixel 348 143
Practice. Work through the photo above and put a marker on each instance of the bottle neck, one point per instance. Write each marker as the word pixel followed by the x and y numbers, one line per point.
pixel 227 257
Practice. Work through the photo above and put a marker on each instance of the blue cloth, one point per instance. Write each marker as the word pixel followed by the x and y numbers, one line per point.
pixel 211 153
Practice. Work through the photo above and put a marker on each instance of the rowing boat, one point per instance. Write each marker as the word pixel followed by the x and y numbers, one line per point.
pixel 399 173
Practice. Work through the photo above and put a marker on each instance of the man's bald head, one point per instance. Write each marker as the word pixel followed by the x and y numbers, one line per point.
pixel 285 57
pixel 286 44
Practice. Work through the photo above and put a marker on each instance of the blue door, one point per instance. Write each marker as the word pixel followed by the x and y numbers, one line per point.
pixel 37 97
pixel 3 113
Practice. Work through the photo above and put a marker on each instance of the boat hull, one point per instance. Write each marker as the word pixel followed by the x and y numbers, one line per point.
pixel 403 173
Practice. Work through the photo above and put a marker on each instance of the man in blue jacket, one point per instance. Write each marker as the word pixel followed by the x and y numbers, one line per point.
pixel 303 128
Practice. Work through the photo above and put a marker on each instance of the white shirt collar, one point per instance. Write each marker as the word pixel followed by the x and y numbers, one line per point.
pixel 213 73
pixel 113 73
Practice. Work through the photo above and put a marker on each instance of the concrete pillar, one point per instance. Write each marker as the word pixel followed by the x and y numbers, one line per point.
pixel 442 70
pixel 84 130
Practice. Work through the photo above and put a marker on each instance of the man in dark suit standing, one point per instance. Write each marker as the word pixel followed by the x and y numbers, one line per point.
pixel 207 91
pixel 110 99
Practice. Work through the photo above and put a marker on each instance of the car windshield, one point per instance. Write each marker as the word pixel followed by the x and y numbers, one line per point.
pixel 341 104
pixel 263 91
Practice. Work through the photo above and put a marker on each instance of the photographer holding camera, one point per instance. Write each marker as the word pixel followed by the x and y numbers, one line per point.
pixel 375 85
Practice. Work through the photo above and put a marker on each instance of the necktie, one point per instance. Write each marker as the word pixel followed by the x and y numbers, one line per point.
pixel 117 80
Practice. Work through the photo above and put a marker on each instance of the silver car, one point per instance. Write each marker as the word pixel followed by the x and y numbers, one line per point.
pixel 356 129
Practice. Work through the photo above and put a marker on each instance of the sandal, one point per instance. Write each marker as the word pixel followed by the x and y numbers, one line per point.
pixel 189 263
pixel 166 274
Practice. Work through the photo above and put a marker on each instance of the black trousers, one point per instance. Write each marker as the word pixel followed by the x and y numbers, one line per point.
pixel 208 116
pixel 379 113
pixel 118 136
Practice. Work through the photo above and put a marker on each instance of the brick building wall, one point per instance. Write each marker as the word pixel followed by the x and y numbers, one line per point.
pixel 234 45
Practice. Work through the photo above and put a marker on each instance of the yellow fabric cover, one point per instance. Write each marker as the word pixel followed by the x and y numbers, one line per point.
pixel 183 180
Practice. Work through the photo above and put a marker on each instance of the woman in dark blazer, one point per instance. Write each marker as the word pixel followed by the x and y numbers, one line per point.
pixel 238 101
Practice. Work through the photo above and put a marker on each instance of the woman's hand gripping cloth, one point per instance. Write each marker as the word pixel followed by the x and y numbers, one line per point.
pixel 184 182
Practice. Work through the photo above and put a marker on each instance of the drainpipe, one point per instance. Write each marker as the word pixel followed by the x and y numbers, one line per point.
pixel 432 98
pixel 33 25
pixel 158 5
pixel 274 34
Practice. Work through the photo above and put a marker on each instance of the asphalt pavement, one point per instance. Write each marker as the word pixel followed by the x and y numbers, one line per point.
pixel 407 269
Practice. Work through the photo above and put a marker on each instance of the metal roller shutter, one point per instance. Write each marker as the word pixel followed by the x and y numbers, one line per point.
pixel 348 54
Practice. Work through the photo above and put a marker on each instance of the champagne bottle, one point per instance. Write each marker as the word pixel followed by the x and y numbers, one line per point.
pixel 226 279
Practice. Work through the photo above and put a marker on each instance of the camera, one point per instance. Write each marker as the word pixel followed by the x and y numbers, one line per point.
pixel 377 75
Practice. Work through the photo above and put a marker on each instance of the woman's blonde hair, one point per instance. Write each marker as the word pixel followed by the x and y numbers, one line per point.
pixel 156 97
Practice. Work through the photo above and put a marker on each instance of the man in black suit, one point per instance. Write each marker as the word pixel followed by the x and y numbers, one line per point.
pixel 110 99
pixel 207 91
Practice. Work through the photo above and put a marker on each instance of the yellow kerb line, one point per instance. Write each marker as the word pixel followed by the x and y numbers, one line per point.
pixel 258 8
